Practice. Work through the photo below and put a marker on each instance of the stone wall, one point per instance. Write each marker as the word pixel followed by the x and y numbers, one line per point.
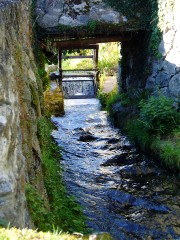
pixel 134 63
pixel 89 18
pixel 160 74
pixel 165 77
pixel 19 108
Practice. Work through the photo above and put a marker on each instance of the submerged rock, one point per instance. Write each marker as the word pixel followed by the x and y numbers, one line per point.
pixel 87 137
pixel 122 159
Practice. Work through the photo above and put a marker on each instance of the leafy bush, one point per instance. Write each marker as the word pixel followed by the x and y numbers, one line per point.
pixel 157 129
pixel 158 116
pixel 138 134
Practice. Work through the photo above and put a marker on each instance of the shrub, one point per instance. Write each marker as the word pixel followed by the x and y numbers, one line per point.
pixel 157 129
pixel 138 134
pixel 158 116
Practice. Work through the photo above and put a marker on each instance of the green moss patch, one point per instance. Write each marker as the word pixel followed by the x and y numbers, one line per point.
pixel 63 212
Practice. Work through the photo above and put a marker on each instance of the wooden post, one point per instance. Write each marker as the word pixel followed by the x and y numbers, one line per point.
pixel 96 56
pixel 60 67
pixel 96 76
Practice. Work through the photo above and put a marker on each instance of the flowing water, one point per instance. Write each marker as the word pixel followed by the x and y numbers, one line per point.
pixel 81 86
pixel 121 191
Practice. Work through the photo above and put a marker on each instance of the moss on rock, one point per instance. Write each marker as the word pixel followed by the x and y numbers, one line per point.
pixel 54 102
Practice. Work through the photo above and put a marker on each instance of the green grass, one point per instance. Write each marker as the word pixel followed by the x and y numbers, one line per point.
pixel 109 55
pixel 169 149
pixel 62 212
pixel 29 234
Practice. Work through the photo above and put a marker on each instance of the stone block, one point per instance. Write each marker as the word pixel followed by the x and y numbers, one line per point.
pixel 174 86
pixel 69 21
pixel 169 68
pixel 162 79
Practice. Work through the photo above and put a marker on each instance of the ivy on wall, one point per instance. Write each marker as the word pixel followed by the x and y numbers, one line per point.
pixel 132 9
pixel 160 9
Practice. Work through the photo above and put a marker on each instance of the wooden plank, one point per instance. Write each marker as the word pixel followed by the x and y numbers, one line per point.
pixel 75 75
pixel 60 59
pixel 80 70
pixel 74 43
pixel 80 97
pixel 79 80
pixel 74 57
pixel 77 46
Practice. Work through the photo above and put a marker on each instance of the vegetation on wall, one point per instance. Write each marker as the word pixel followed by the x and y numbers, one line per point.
pixel 62 212
pixel 156 32
pixel 157 128
pixel 95 28
pixel 36 45
pixel 157 23
pixel 133 9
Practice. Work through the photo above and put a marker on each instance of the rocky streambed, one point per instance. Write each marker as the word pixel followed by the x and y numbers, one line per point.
pixel 121 191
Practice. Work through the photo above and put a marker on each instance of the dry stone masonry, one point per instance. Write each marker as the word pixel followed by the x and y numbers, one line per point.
pixel 165 77
pixel 19 147
pixel 52 13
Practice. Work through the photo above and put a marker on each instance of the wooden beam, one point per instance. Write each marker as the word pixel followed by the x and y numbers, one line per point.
pixel 60 67
pixel 96 56
pixel 76 46
pixel 79 70
pixel 59 59
pixel 79 80
pixel 79 43
pixel 78 75
pixel 74 57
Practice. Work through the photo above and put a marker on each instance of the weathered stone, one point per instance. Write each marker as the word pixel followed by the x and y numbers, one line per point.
pixel 166 70
pixel 174 86
pixel 169 67
pixel 87 137
pixel 69 21
pixel 6 187
pixel 48 21
pixel 150 83
pixel 19 108
pixel 83 19
pixel 110 17
pixel 167 42
pixel 54 102
pixel 162 79
pixel 76 13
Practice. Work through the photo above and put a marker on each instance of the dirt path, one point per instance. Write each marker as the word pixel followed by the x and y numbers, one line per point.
pixel 109 84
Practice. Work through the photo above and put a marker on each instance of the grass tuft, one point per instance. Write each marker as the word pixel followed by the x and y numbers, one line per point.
pixel 63 212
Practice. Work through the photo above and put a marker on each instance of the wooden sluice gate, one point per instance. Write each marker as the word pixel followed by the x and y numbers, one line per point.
pixel 79 83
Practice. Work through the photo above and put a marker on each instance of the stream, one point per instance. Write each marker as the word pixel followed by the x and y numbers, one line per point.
pixel 122 192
